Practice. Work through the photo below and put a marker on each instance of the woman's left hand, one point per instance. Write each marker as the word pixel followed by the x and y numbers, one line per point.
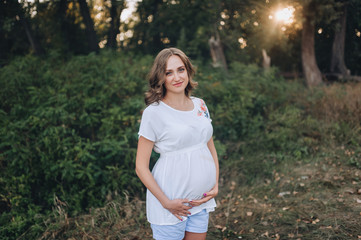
pixel 206 197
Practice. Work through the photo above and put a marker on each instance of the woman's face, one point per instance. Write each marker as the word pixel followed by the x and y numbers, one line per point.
pixel 176 76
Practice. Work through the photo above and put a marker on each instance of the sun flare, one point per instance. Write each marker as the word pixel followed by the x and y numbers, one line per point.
pixel 285 15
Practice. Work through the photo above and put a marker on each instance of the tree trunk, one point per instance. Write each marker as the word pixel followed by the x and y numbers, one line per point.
pixel 34 42
pixel 35 45
pixel 156 41
pixel 3 47
pixel 217 54
pixel 266 60
pixel 92 37
pixel 63 25
pixel 115 11
pixel 338 47
pixel 310 69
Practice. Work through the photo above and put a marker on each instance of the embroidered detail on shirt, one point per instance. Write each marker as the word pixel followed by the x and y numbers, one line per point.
pixel 204 110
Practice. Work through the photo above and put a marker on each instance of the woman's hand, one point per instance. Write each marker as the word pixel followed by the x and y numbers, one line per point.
pixel 206 197
pixel 178 207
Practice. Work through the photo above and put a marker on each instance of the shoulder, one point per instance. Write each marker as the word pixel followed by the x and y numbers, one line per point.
pixel 198 101
pixel 151 109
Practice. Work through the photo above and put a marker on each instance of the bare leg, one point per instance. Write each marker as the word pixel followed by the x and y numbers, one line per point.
pixel 195 236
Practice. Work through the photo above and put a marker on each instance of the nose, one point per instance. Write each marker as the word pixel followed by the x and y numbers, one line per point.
pixel 176 76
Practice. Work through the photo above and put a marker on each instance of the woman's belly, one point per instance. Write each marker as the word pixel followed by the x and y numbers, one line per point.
pixel 186 174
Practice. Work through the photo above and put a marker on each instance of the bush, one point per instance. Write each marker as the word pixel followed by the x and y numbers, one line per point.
pixel 68 129
pixel 248 104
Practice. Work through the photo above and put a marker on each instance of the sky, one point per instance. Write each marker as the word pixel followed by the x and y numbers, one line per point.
pixel 126 13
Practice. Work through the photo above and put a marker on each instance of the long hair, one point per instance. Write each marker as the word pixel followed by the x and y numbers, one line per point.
pixel 156 76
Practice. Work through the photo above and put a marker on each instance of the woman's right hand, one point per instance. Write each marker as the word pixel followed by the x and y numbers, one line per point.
pixel 178 207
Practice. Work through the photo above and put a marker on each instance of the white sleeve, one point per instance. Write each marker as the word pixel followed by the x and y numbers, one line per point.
pixel 146 128
pixel 204 108
pixel 209 115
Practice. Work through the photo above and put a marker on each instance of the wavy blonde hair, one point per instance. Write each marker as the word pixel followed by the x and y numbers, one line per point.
pixel 156 76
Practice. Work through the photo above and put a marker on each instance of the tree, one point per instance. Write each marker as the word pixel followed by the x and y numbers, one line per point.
pixel 217 53
pixel 115 11
pixel 235 21
pixel 311 71
pixel 338 65
pixel 89 24
pixel 62 7
pixel 34 42
pixel 314 12
pixel 353 37
pixel 175 23
pixel 150 27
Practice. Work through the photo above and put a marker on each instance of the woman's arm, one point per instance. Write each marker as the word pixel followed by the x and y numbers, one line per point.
pixel 213 151
pixel 214 191
pixel 176 206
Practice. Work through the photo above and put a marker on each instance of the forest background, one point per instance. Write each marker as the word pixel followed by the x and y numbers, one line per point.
pixel 280 78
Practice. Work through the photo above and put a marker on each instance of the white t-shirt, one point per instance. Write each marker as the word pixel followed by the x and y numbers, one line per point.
pixel 185 168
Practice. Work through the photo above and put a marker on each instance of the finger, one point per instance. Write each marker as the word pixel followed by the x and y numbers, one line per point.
pixel 201 201
pixel 186 204
pixel 184 213
pixel 207 194
pixel 197 202
pixel 187 207
pixel 177 216
pixel 206 199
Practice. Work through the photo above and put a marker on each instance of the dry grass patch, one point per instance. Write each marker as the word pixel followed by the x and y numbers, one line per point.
pixel 122 219
pixel 318 200
pixel 341 103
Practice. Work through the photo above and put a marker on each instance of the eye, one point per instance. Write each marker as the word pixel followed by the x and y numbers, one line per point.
pixel 181 69
pixel 168 73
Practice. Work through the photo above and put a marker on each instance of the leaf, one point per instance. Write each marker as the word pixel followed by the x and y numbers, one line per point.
pixel 218 226
pixel 282 194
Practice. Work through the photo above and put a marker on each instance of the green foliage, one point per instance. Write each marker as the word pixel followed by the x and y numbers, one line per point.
pixel 68 129
pixel 256 119
pixel 244 104
pixel 186 24
pixel 155 24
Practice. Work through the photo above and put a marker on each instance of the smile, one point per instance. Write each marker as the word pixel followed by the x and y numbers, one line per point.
pixel 178 84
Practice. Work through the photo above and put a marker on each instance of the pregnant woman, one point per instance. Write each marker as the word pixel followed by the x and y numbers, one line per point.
pixel 184 181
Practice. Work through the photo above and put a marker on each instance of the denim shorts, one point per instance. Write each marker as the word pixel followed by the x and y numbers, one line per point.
pixel 197 223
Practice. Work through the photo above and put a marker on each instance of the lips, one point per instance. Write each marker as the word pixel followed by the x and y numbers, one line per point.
pixel 178 84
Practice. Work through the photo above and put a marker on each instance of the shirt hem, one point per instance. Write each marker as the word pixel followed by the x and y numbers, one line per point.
pixel 142 135
pixel 208 209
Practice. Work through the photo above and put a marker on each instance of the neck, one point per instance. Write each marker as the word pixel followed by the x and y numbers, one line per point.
pixel 178 99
